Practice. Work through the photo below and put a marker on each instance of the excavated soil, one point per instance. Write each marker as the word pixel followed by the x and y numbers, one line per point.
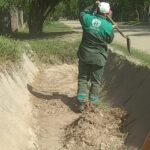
pixel 59 126
pixel 96 130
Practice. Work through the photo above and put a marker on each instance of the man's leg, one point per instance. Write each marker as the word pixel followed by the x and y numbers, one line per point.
pixel 83 77
pixel 96 76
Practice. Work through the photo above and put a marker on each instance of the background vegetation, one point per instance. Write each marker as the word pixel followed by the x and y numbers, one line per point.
pixel 53 46
pixel 10 50
pixel 40 16
pixel 136 54
pixel 37 11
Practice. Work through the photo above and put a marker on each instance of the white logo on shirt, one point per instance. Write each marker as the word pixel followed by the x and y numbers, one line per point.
pixel 96 23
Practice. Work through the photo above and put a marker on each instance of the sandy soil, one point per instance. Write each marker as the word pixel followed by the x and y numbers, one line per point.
pixel 53 97
pixel 59 126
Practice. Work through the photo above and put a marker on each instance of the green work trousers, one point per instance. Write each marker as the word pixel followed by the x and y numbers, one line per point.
pixel 89 73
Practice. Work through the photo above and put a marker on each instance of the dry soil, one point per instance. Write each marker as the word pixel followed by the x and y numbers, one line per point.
pixel 60 127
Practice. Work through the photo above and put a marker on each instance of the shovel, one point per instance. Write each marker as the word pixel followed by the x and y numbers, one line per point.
pixel 146 144
pixel 126 37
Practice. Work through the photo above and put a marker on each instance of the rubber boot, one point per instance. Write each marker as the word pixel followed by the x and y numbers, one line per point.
pixel 94 102
pixel 82 99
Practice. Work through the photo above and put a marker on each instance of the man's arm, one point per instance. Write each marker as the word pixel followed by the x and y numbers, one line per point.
pixel 110 37
pixel 109 33
pixel 88 10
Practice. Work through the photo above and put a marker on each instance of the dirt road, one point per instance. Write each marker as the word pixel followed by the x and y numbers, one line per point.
pixel 139 35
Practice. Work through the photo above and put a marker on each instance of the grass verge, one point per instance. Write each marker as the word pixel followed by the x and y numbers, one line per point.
pixel 54 51
pixel 51 46
pixel 54 45
pixel 9 50
pixel 55 26
pixel 142 57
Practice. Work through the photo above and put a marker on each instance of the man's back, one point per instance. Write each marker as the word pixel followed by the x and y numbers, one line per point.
pixel 97 33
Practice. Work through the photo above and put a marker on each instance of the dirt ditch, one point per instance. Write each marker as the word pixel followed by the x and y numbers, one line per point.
pixel 127 85
pixel 98 130
pixel 121 122
pixel 59 124
pixel 125 89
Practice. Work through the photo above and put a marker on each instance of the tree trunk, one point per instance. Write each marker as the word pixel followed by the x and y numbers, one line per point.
pixel 35 24
pixel 146 12
pixel 138 15
pixel 36 19
pixel 20 17
pixel 14 20
pixel 5 22
pixel 39 11
pixel 149 13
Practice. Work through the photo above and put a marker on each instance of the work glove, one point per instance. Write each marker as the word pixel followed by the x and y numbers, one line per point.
pixel 95 6
pixel 114 26
pixel 97 3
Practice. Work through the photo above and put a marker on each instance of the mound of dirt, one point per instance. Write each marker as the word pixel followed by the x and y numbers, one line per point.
pixel 98 130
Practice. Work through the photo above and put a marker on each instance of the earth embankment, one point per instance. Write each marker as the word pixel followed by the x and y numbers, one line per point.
pixel 16 131
pixel 42 120
pixel 127 85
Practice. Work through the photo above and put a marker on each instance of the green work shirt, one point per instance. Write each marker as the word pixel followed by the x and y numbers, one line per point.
pixel 97 33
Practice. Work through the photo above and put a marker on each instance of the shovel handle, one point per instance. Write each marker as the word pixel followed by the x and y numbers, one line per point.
pixel 110 19
pixel 128 39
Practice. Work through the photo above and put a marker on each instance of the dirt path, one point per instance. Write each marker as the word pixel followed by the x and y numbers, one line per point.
pixel 54 91
pixel 58 125
pixel 139 35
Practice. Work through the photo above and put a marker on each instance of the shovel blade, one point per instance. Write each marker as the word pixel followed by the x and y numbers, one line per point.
pixel 129 45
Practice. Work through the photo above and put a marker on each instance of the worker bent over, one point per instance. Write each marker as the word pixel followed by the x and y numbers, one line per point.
pixel 93 52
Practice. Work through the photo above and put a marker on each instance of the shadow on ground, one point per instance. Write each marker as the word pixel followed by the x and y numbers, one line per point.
pixel 69 101
pixel 127 85
pixel 27 36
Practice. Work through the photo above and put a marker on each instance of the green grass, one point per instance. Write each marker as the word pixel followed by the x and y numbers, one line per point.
pixel 51 26
pixel 52 46
pixel 142 57
pixel 55 51
pixel 55 27
pixel 9 49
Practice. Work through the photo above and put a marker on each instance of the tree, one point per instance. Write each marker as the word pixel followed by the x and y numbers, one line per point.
pixel 8 4
pixel 7 8
pixel 146 11
pixel 84 3
pixel 125 10
pixel 71 9
pixel 38 12
pixel 60 10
